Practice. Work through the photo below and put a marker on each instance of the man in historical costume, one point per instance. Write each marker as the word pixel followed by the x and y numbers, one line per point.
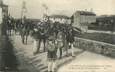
pixel 43 36
pixel 59 44
pixel 51 54
pixel 70 39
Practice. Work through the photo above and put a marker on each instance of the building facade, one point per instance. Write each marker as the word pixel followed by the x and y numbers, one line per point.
pixel 106 22
pixel 3 11
pixel 63 19
pixel 3 17
pixel 81 19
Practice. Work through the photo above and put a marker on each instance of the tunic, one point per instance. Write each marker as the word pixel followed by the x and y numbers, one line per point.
pixel 51 54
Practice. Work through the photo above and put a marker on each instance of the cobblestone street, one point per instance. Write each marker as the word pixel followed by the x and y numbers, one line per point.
pixel 38 63
pixel 57 36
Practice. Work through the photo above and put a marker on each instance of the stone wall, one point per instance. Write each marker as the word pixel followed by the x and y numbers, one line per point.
pixel 95 46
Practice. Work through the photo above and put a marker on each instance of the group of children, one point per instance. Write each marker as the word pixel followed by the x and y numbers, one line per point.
pixel 55 45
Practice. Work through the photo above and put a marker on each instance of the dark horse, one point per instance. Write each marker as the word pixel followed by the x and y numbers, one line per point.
pixel 43 34
pixel 10 26
pixel 25 31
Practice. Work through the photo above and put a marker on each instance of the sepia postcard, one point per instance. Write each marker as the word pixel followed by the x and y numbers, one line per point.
pixel 57 35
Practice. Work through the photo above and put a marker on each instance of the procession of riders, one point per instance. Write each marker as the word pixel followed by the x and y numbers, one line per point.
pixel 56 38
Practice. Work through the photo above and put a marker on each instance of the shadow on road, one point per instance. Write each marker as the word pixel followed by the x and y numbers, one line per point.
pixel 8 60
pixel 68 60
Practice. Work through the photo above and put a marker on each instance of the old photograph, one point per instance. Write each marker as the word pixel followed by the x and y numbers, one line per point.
pixel 57 35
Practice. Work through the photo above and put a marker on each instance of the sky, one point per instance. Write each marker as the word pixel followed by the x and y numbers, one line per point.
pixel 66 7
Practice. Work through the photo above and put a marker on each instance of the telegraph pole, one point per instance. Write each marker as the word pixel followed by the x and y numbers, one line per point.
pixel 23 12
pixel 45 14
pixel 4 16
pixel 7 57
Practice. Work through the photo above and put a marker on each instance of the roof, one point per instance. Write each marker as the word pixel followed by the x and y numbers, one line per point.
pixel 59 16
pixel 105 17
pixel 86 13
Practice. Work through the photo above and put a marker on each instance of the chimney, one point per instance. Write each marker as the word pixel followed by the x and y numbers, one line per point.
pixel 91 9
pixel 85 9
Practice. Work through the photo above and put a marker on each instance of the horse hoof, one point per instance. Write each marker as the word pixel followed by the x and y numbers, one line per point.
pixel 67 55
pixel 60 57
pixel 34 53
pixel 73 56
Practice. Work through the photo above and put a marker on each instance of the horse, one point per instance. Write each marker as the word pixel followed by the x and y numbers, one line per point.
pixel 16 26
pixel 9 26
pixel 42 34
pixel 25 32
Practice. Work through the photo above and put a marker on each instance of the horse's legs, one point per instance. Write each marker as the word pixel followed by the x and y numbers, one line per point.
pixel 22 39
pixel 9 32
pixel 15 31
pixel 26 38
pixel 66 47
pixel 39 45
pixel 44 42
pixel 60 49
